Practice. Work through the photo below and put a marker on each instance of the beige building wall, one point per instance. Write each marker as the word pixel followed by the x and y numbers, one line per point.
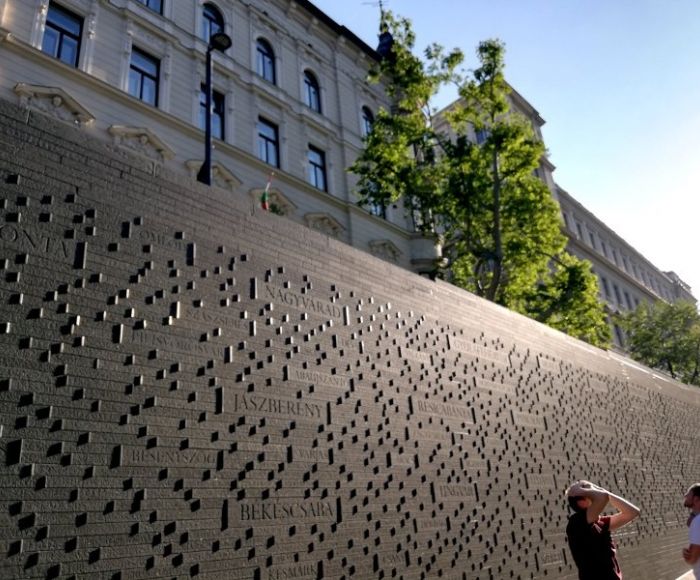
pixel 626 278
pixel 94 95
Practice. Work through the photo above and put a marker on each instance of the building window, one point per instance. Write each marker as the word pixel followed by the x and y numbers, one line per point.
pixel 615 258
pixel 377 209
pixel 628 301
pixel 312 92
pixel 268 142
pixel 591 237
pixel 143 77
pixel 579 231
pixel 317 168
pixel 482 135
pixel 367 121
pixel 606 287
pixel 218 108
pixel 266 61
pixel 617 294
pixel 422 218
pixel 62 35
pixel 212 21
pixel 604 248
pixel 155 5
pixel 566 220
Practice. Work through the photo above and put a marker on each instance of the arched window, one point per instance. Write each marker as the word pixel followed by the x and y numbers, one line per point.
pixel 212 21
pixel 367 121
pixel 266 61
pixel 312 92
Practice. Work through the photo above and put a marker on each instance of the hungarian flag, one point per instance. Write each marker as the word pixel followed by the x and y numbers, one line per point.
pixel 265 197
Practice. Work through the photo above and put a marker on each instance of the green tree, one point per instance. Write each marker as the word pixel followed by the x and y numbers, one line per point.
pixel 666 337
pixel 497 222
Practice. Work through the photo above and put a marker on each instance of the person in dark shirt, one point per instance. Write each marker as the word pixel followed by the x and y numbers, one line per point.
pixel 588 533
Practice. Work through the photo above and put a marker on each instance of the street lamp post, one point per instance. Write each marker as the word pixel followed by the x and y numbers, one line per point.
pixel 221 42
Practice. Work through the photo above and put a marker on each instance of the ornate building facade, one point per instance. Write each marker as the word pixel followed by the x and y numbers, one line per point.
pixel 290 99
pixel 291 104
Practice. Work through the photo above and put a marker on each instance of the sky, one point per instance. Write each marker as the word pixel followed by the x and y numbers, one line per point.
pixel 618 84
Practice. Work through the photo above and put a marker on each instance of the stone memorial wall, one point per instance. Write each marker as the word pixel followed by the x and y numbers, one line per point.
pixel 190 388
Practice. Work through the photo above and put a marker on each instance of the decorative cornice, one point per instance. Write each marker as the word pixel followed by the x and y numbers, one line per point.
pixel 141 140
pixel 54 101
pixel 324 223
pixel 385 249
pixel 221 175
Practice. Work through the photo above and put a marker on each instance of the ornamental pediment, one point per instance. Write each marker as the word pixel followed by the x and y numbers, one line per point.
pixel 279 203
pixel 53 101
pixel 142 141
pixel 385 249
pixel 220 174
pixel 324 223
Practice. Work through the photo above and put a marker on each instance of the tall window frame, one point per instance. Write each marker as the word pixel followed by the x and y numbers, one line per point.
pixel 268 142
pixel 377 209
pixel 317 172
pixel 312 92
pixel 265 60
pixel 212 21
pixel 618 296
pixel 155 5
pixel 482 135
pixel 218 112
pixel 367 121
pixel 63 34
pixel 144 76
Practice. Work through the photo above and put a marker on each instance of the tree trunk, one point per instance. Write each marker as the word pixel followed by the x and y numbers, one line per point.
pixel 496 232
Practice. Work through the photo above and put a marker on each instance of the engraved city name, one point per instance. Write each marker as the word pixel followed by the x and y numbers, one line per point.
pixel 444 410
pixel 166 341
pixel 550 558
pixel 528 420
pixel 454 492
pixel 249 511
pixel 30 239
pixel 293 572
pixel 425 524
pixel 507 388
pixel 306 454
pixel 276 406
pixel 395 559
pixel 302 302
pixel 161 239
pixel 540 480
pixel 169 457
pixel 316 377
pixel 478 350
pixel 204 315
pixel 416 355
